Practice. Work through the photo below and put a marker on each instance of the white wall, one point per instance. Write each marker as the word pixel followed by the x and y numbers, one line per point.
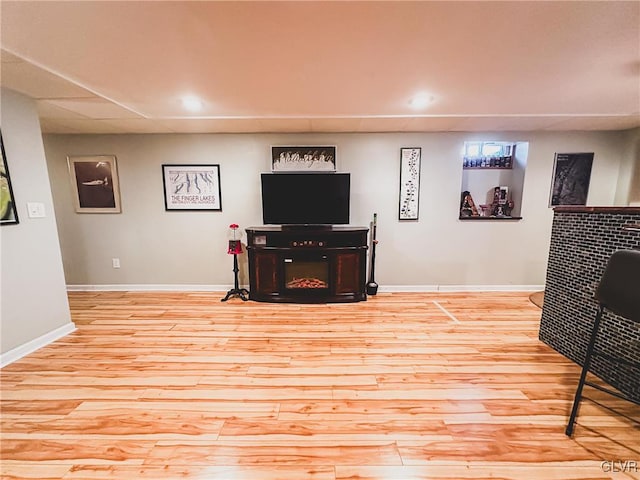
pixel 629 179
pixel 189 248
pixel 33 291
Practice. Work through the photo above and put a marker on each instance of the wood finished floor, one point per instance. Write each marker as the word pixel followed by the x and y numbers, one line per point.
pixel 403 386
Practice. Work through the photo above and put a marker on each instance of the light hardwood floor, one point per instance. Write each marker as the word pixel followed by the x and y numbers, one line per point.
pixel 403 386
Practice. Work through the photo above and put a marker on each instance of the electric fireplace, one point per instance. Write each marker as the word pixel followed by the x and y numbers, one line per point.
pixel 307 264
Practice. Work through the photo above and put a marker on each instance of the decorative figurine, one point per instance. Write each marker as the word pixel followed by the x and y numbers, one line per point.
pixel 235 248
pixel 501 206
pixel 467 205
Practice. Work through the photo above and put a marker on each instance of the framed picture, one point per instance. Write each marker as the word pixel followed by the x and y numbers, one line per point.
pixel 303 159
pixel 94 181
pixel 8 212
pixel 571 177
pixel 409 183
pixel 192 187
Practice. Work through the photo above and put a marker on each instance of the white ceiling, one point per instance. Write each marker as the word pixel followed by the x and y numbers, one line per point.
pixel 325 66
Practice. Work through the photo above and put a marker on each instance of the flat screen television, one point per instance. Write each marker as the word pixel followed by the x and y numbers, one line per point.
pixel 305 198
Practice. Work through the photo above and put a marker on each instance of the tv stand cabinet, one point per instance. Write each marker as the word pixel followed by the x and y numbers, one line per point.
pixel 307 264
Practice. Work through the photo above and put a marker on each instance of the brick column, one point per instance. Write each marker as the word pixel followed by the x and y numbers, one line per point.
pixel 582 240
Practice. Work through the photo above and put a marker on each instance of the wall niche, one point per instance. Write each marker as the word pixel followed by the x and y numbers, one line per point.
pixel 492 180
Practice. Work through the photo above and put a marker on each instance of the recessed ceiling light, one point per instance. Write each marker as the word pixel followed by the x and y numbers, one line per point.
pixel 421 100
pixel 191 103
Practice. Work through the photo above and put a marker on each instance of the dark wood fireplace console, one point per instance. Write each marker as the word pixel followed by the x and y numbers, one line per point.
pixel 306 264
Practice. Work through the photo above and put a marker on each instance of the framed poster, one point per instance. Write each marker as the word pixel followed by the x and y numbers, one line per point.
pixel 95 185
pixel 409 183
pixel 303 159
pixel 8 212
pixel 570 180
pixel 192 187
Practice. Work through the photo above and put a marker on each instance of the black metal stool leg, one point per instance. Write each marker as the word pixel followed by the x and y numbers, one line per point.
pixel 236 290
pixel 583 375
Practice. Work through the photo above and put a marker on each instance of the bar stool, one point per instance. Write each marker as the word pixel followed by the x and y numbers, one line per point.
pixel 619 293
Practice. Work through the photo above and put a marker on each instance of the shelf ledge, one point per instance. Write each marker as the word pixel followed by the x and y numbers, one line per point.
pixel 487 168
pixel 489 218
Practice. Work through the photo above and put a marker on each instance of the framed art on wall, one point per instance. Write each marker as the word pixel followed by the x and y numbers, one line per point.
pixel 8 212
pixel 303 159
pixel 570 179
pixel 192 187
pixel 95 185
pixel 409 183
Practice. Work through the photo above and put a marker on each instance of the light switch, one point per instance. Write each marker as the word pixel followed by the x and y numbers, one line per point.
pixel 36 210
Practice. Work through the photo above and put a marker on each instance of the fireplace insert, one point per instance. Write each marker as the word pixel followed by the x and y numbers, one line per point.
pixel 312 273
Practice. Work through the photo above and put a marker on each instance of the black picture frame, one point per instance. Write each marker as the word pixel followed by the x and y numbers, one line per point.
pixel 95 183
pixel 192 187
pixel 303 158
pixel 571 178
pixel 8 211
pixel 409 195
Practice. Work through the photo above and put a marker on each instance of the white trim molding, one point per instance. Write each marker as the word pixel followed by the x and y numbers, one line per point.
pixel 490 288
pixel 150 288
pixel 224 288
pixel 407 288
pixel 35 344
pixel 460 288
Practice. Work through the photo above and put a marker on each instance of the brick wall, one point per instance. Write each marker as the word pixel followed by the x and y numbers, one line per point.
pixel 581 244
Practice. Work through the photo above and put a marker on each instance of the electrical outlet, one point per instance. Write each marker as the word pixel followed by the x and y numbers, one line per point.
pixel 115 262
pixel 35 209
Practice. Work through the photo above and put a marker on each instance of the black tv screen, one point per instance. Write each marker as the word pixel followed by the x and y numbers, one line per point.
pixel 305 198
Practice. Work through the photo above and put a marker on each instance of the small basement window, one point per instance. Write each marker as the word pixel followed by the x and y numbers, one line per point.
pixel 488 155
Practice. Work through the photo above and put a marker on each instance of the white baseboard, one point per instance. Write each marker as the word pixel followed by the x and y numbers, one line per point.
pixel 460 288
pixel 35 344
pixel 407 288
pixel 224 288
pixel 490 288
pixel 150 288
